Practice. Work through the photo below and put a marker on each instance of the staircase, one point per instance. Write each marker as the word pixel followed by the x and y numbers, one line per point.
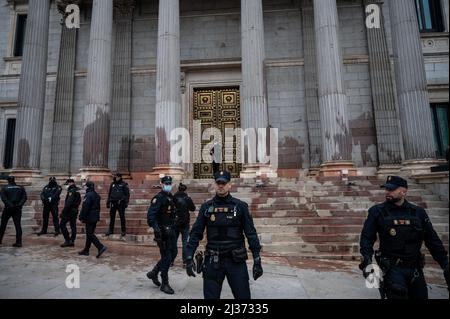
pixel 308 217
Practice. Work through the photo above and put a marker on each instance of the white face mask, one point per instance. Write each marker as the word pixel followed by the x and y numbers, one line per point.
pixel 167 188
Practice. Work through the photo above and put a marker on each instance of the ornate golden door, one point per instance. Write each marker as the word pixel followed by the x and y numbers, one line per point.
pixel 219 108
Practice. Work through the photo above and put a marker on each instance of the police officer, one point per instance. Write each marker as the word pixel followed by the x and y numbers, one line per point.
pixel 118 197
pixel 14 197
pixel 161 217
pixel 90 215
pixel 70 213
pixel 183 204
pixel 401 228
pixel 50 199
pixel 226 220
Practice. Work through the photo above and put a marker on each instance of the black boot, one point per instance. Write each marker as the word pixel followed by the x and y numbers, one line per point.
pixel 165 287
pixel 65 244
pixel 41 233
pixel 153 276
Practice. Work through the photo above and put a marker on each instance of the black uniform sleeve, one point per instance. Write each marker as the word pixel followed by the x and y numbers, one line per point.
pixel 5 198
pixel 42 195
pixel 109 193
pixel 57 194
pixel 88 202
pixel 433 242
pixel 191 205
pixel 24 198
pixel 369 234
pixel 127 193
pixel 155 206
pixel 250 230
pixel 77 200
pixel 197 231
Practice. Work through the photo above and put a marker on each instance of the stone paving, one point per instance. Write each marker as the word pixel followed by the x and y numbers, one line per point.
pixel 39 271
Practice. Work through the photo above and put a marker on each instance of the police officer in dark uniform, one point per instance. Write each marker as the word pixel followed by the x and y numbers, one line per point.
pixel 161 217
pixel 90 215
pixel 50 199
pixel 118 197
pixel 401 228
pixel 226 220
pixel 14 197
pixel 69 213
pixel 183 205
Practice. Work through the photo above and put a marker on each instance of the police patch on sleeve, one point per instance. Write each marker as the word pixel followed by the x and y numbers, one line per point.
pixel 154 200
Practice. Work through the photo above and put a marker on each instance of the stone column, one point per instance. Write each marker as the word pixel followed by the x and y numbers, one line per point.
pixel 32 87
pixel 98 87
pixel 168 91
pixel 336 139
pixel 383 94
pixel 311 98
pixel 414 105
pixel 120 134
pixel 254 111
pixel 65 78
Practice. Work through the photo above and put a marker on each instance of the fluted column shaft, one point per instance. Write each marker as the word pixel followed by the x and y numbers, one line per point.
pixel 32 87
pixel 254 110
pixel 168 93
pixel 98 87
pixel 336 140
pixel 414 107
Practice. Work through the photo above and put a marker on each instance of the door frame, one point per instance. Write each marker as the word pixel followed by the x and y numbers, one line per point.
pixel 204 79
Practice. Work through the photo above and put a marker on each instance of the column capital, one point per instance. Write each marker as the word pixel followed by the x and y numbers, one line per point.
pixel 123 8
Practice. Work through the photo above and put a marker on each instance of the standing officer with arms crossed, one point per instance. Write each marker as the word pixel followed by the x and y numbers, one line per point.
pixel 226 220
pixel 402 228
pixel 50 199
pixel 14 197
pixel 161 217
pixel 118 197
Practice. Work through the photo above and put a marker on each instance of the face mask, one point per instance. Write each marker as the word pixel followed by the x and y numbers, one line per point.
pixel 167 188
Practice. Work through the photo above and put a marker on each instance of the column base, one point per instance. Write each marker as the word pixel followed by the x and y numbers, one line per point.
pixel 258 171
pixel 94 174
pixel 26 176
pixel 176 172
pixel 338 169
pixel 389 169
pixel 420 166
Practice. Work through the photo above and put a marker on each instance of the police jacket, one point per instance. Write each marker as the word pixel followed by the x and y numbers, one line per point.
pixel 119 191
pixel 73 199
pixel 90 210
pixel 183 204
pixel 401 231
pixel 13 195
pixel 227 220
pixel 161 212
pixel 50 194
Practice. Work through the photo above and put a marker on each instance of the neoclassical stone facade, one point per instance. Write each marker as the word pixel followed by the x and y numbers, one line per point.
pixel 105 97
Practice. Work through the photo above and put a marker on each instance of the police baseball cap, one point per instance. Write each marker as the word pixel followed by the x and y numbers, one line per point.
pixel 89 184
pixel 166 180
pixel 394 182
pixel 222 176
pixel 70 180
pixel 52 178
pixel 11 179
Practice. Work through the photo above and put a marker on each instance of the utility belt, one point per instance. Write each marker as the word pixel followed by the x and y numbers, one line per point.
pixel 213 257
pixel 387 262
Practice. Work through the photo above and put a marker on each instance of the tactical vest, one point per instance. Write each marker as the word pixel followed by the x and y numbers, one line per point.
pixel 117 191
pixel 224 225
pixel 402 235
pixel 166 214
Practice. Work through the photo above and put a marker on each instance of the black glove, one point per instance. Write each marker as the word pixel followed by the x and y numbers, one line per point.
pixel 446 275
pixel 190 267
pixel 363 265
pixel 257 268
